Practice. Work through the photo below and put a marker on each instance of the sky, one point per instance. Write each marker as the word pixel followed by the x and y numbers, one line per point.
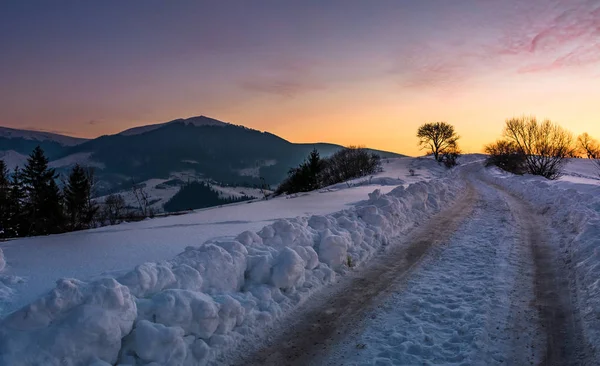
pixel 347 72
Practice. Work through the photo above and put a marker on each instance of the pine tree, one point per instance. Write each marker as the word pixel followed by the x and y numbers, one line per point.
pixel 16 219
pixel 314 165
pixel 80 209
pixel 4 199
pixel 43 203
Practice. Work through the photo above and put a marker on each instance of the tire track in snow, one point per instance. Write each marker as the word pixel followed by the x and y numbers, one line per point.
pixel 321 323
pixel 559 321
pixel 456 309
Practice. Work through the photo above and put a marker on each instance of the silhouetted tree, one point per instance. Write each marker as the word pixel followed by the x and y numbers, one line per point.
pixel 314 172
pixel 588 146
pixel 198 195
pixel 114 208
pixel 16 219
pixel 507 156
pixel 43 200
pixel 438 138
pixel 142 198
pixel 80 209
pixel 544 145
pixel 349 163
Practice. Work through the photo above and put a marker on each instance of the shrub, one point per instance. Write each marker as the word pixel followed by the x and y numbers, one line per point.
pixel 506 156
pixel 351 162
pixel 450 157
pixel 544 145
pixel 314 173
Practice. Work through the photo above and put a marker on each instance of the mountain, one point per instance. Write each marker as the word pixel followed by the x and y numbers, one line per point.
pixel 195 121
pixel 11 133
pixel 200 146
pixel 22 142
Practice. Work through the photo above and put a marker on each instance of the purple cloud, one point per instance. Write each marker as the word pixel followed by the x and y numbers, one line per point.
pixel 286 77
pixel 539 36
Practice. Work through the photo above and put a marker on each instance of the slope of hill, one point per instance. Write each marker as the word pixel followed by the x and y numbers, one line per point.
pixel 198 146
pixel 11 133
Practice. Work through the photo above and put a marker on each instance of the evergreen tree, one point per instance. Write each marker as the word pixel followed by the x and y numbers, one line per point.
pixel 4 199
pixel 16 222
pixel 314 165
pixel 79 207
pixel 42 206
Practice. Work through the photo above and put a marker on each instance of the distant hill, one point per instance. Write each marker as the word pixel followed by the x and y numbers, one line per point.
pixel 24 141
pixel 218 151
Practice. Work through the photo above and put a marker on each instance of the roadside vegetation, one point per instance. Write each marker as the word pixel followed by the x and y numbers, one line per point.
pixel 316 172
pixel 530 146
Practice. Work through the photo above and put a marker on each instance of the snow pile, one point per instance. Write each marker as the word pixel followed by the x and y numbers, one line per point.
pixel 77 323
pixel 190 309
pixel 576 215
pixel 7 283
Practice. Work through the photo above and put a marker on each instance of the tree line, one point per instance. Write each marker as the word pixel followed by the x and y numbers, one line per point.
pixel 538 147
pixel 196 195
pixel 31 202
pixel 317 172
pixel 526 146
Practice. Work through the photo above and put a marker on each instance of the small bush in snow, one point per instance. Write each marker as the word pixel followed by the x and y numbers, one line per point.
pixel 450 157
pixel 544 145
pixel 506 156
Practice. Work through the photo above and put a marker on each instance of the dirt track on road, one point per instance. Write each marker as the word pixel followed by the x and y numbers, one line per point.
pixel 319 327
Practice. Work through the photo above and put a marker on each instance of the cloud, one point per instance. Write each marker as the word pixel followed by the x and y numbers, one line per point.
pixel 568 37
pixel 284 88
pixel 285 76
pixel 94 122
pixel 529 37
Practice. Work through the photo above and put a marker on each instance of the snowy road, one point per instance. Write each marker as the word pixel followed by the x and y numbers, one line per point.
pixel 478 284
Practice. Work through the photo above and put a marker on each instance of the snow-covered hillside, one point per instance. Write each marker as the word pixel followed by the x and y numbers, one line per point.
pixel 40 136
pixel 12 159
pixel 120 247
pixel 192 289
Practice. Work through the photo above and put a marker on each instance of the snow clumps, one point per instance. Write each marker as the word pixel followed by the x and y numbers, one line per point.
pixel 192 308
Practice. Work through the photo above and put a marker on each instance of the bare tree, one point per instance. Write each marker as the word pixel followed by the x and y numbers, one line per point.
pixel 438 138
pixel 142 198
pixel 588 146
pixel 114 208
pixel 544 144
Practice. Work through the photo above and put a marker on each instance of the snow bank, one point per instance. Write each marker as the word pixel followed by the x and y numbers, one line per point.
pixel 189 310
pixel 2 260
pixel 576 215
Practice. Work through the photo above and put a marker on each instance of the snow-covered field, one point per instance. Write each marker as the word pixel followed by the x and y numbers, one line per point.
pixel 187 289
pixel 196 305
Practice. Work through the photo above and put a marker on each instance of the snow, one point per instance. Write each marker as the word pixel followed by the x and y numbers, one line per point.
pixel 455 309
pixel 160 193
pixel 197 305
pixel 83 159
pixel 40 136
pixel 575 213
pixel 12 159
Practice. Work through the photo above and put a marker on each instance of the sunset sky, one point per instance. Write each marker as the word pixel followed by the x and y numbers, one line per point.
pixel 347 72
